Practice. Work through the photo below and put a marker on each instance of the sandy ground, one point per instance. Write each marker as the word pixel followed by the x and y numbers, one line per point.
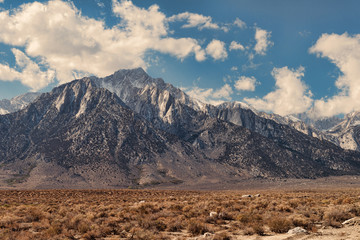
pixel 344 233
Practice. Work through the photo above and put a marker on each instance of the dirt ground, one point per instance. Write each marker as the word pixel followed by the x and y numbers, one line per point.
pixel 345 233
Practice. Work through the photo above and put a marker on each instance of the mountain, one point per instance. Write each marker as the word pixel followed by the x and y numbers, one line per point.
pixel 83 136
pixel 17 103
pixel 241 114
pixel 166 107
pixel 172 110
pixel 343 132
pixel 129 129
pixel 321 124
pixel 346 133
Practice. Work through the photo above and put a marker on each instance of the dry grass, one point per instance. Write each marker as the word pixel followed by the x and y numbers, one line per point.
pixel 155 214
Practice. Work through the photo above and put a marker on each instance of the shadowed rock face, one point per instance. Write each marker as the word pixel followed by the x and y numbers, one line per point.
pixel 146 132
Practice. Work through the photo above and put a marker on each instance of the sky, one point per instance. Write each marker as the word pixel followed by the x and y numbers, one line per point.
pixel 279 56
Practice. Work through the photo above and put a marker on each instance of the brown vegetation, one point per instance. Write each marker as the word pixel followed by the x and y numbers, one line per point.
pixel 156 214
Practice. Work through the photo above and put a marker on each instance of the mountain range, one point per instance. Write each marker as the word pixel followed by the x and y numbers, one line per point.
pixel 131 130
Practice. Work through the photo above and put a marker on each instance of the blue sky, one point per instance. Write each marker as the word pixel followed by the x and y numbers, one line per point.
pixel 285 57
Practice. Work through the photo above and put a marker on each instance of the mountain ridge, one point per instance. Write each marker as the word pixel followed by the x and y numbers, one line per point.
pixel 229 111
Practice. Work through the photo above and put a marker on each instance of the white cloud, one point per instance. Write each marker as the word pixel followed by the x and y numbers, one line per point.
pixel 216 49
pixel 151 30
pixel 100 3
pixel 223 92
pixel 180 48
pixel 55 33
pixel 195 20
pixel 225 28
pixel 239 23
pixel 344 51
pixel 209 95
pixel 8 74
pixel 1 1
pixel 236 46
pixel 290 97
pixel 263 42
pixel 304 33
pixel 145 22
pixel 245 83
pixel 234 68
pixel 30 73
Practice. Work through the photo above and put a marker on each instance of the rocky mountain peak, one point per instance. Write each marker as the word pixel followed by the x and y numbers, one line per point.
pixel 236 104
pixel 17 103
pixel 135 77
pixel 353 118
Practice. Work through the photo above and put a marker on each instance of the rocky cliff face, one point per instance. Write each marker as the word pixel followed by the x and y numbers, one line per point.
pixel 144 132
pixel 346 134
pixel 342 132
pixel 242 115
pixel 17 103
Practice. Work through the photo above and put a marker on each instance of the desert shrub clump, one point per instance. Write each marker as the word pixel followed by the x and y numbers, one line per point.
pixel 196 227
pixel 335 216
pixel 279 224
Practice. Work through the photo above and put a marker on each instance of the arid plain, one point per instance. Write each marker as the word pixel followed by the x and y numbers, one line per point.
pixel 184 214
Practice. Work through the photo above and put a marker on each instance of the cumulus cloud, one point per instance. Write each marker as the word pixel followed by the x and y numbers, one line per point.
pixel 56 34
pixel 223 92
pixel 217 50
pixel 30 73
pixel 236 46
pixel 209 95
pixel 151 31
pixel 245 83
pixel 263 42
pixel 194 20
pixel 290 97
pixel 1 1
pixel 8 74
pixel 239 23
pixel 344 51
